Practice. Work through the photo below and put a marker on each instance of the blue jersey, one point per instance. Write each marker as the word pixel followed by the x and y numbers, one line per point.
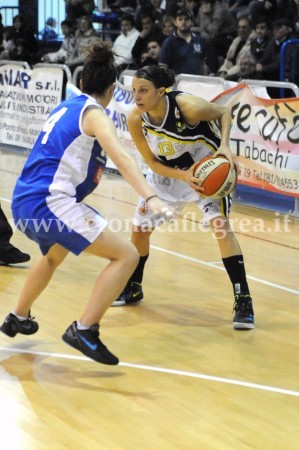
pixel 64 166
pixel 64 159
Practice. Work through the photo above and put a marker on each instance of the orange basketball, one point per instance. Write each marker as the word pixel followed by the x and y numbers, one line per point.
pixel 215 176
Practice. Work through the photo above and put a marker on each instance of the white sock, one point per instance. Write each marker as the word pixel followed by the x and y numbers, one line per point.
pixel 81 327
pixel 20 318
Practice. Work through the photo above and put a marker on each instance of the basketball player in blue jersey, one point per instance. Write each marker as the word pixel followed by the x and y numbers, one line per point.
pixel 172 131
pixel 64 166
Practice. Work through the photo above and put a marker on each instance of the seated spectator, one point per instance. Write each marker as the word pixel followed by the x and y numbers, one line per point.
pixel 218 27
pixel 259 43
pixel 167 26
pixel 152 54
pixel 240 45
pixel 269 65
pixel 124 43
pixel 84 36
pixel 21 31
pixel 78 8
pixel 184 51
pixel 67 47
pixel 49 33
pixel 7 44
pixel 20 53
pixel 267 8
pixel 247 71
pixel 149 31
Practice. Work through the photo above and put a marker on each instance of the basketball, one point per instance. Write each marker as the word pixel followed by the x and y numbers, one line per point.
pixel 215 176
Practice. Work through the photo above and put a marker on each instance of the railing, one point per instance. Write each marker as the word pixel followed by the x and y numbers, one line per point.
pixel 294 59
pixel 8 13
pixel 23 64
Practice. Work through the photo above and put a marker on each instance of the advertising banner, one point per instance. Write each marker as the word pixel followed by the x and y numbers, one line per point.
pixel 265 138
pixel 26 99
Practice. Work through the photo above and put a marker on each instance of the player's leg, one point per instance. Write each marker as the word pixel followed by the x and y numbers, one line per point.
pixel 123 257
pixel 140 237
pixel 217 212
pixel 19 320
pixel 84 333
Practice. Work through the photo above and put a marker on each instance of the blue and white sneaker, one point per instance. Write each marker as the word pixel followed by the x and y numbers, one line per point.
pixel 88 342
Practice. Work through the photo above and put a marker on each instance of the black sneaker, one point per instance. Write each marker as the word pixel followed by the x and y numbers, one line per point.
pixel 131 294
pixel 12 325
pixel 244 315
pixel 88 342
pixel 13 255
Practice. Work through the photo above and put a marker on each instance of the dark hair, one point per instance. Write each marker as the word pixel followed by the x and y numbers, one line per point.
pixel 67 23
pixel 129 18
pixel 160 76
pixel 99 71
pixel 19 17
pixel 262 19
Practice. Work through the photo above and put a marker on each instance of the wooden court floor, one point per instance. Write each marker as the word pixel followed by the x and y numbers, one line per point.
pixel 186 380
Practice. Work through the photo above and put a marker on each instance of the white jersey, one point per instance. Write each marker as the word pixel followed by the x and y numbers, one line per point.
pixel 178 145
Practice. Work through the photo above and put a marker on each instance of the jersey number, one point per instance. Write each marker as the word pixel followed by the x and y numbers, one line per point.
pixel 49 125
pixel 166 148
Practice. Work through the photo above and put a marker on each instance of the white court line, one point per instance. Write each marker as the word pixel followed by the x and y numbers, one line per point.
pixel 213 265
pixel 183 373
pixel 5 200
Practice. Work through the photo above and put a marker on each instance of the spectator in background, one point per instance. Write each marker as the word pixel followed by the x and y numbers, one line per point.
pixel 269 65
pixel 149 31
pixel 67 47
pixel 240 45
pixel 49 33
pixel 78 8
pixel 266 8
pixel 84 36
pixel 218 27
pixel 7 44
pixel 259 43
pixel 288 9
pixel 247 64
pixel 8 253
pixel 239 8
pixel 152 54
pixel 151 7
pixel 167 26
pixel 193 8
pixel 124 43
pixel 184 51
pixel 19 52
pixel 21 31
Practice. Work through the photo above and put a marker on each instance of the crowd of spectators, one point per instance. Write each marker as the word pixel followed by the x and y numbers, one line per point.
pixel 201 37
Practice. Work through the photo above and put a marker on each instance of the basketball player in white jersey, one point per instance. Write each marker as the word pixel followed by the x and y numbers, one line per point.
pixel 64 166
pixel 172 131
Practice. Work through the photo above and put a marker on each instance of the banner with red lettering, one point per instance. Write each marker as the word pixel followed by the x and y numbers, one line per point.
pixel 265 138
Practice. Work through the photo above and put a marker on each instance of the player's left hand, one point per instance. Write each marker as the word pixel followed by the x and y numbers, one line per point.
pixel 225 151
